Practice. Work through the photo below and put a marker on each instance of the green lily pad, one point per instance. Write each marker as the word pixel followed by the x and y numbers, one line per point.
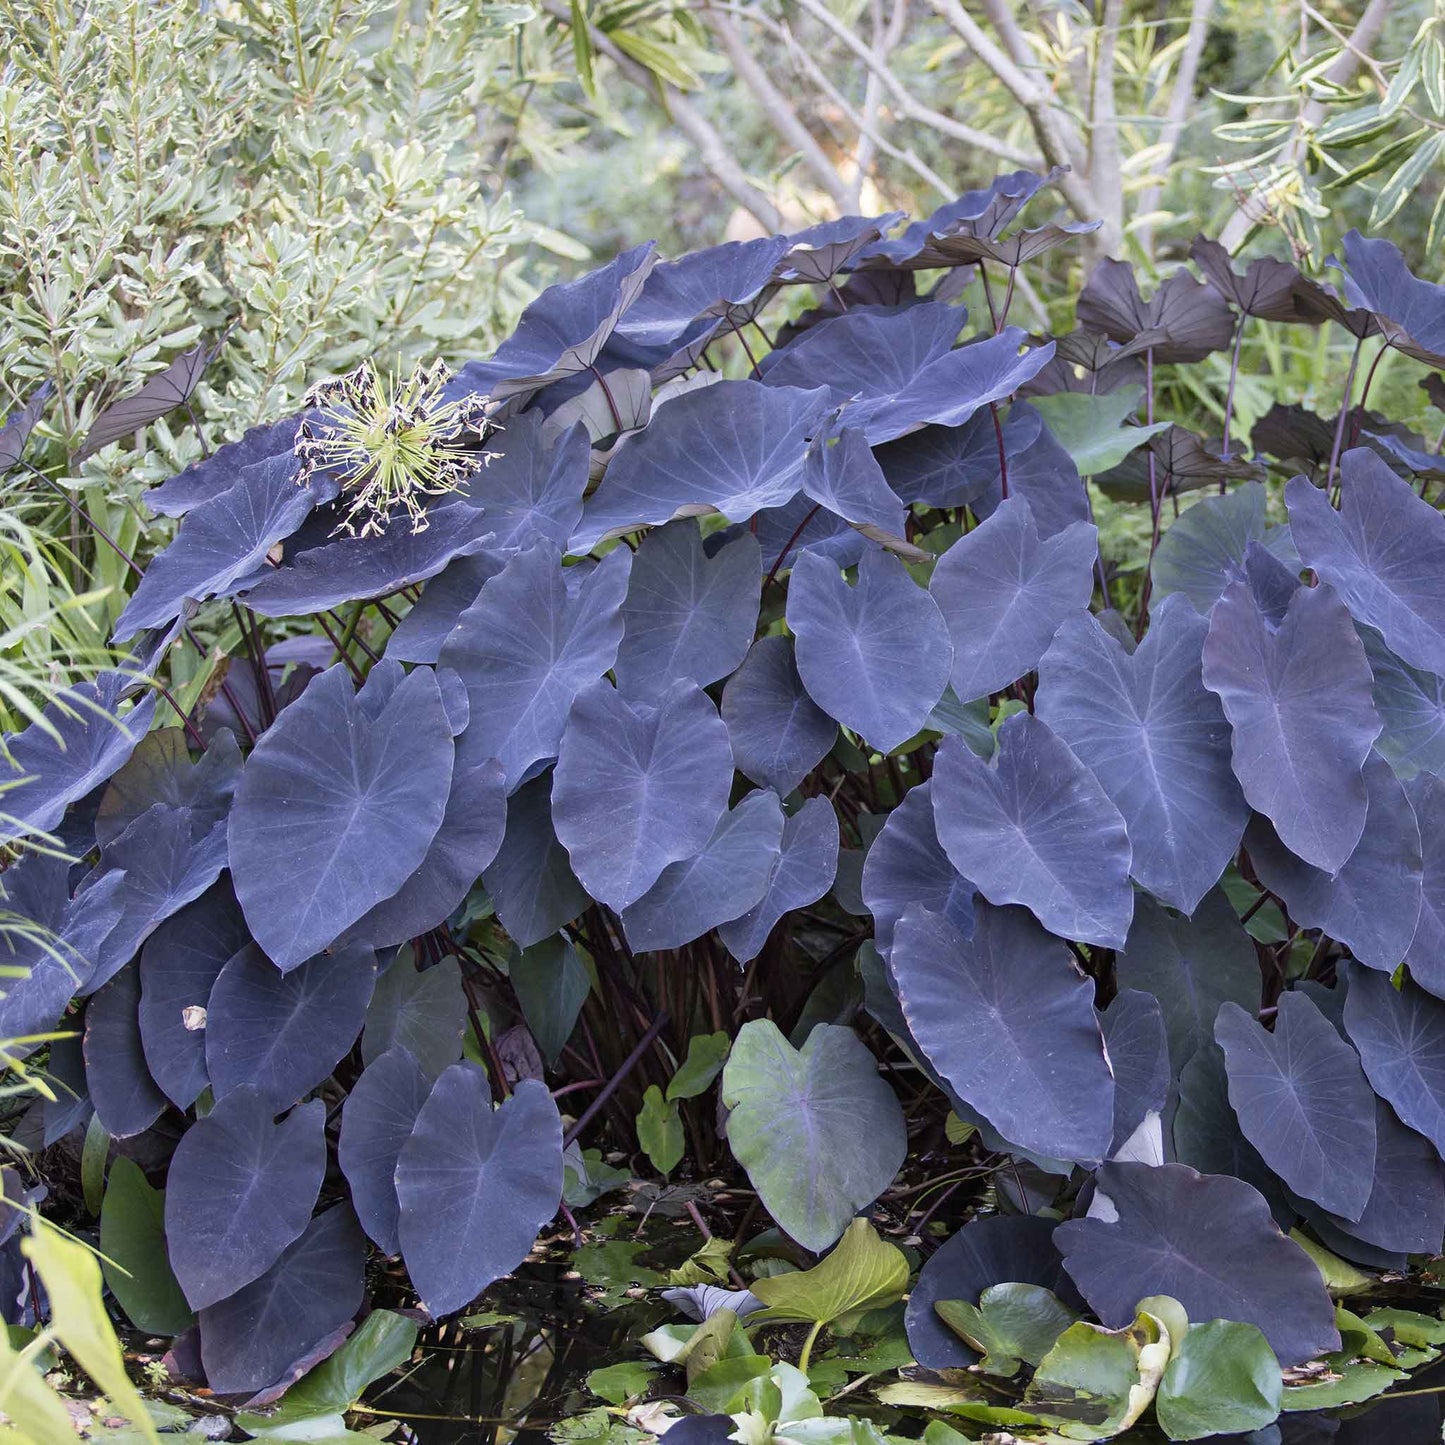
pixel 1223 1379
pixel 1095 1383
pixel 1011 1323
pixel 1409 1326
pixel 1360 1380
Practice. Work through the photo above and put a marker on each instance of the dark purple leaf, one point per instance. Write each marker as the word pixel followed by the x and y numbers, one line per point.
pixel 1138 1048
pixel 638 787
pixel 844 477
pixel 1300 763
pixel 261 1334
pixel 179 965
pixel 1383 552
pixel 1087 361
pixel 531 488
pixel 1302 1101
pixel 804 872
pixel 981 213
pixel 1017 1248
pixel 802 525
pixel 126 1097
pixel 907 865
pixel 1295 435
pixel 530 881
pixel 1157 741
pixel 819 252
pixel 1007 1020
pixel 160 771
pixel 1411 704
pixel 421 633
pixel 687 614
pixel 222 470
pixel 337 807
pixel 1013 251
pixel 735 448
pixel 1003 593
pixel 526 647
pixel 422 1010
pixel 281 1034
pixel 1426 955
pixel 1373 902
pixel 1203 551
pixel 721 882
pixel 1070 864
pixel 19 424
pixel 1183 462
pixel 1192 966
pixel 1267 289
pixel 955 466
pixel 1183 321
pixel 376 1121
pixel 84 740
pixel 778 733
pixel 239 1190
pixel 876 655
pixel 1207 1241
pixel 476 1185
pixel 159 394
pixel 1410 312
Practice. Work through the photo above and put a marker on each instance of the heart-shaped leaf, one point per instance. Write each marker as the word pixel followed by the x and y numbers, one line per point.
pixel 778 733
pixel 863 1272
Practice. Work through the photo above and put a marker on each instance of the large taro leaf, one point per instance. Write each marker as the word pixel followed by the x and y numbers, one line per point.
pixel 1409 311
pixel 531 488
pixel 1183 321
pixel 133 1252
pixel 1007 1020
pixel 1156 739
pixel 335 570
pixel 268 1332
pixel 1411 705
pixel 735 448
pixel 805 869
pixel 221 544
pixel 1426 954
pixel 422 632
pixel 239 1190
pixel 376 1121
pixel 179 965
pixel 81 740
pixel 1297 693
pixel 283 1033
pixel 465 843
pixel 1205 1240
pixel 1203 551
pixel 638 787
pixel 1373 902
pixel 127 1100
pixel 818 1132
pixel 160 771
pixel 1302 1101
pixel 721 882
pixel 337 806
pixel 476 1185
pixel 1003 592
pixel 1192 966
pixel 1138 1047
pixel 530 881
pixel 906 865
pixel 1017 1249
pixel 526 647
pixel 844 478
pixel 1070 864
pixel 1400 1035
pixel 423 1010
pixel 1383 552
pixel 956 466
pixel 876 655
pixel 687 614
pixel 778 733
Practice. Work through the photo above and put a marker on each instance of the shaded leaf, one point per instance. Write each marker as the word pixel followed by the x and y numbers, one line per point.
pixel 530 881
pixel 778 733
pixel 133 1252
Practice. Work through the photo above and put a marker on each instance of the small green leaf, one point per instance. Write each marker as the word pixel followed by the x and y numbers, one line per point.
pixel 551 983
pixel 1092 429
pixel 1011 1323
pixel 958 1131
pixel 706 1054
pixel 617 1384
pixel 719 1387
pixel 659 1131
pixel 863 1272
pixel 133 1243
pixel 92 1164
pixel 1408 1326
pixel 1223 1379
pixel 1340 1277
pixel 1170 1313
pixel 1356 1381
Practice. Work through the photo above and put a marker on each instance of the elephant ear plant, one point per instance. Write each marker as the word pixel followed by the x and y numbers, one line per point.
pixel 599 715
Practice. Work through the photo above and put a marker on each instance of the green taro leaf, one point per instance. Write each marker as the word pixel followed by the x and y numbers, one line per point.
pixel 1222 1379
pixel 863 1272
pixel 551 983
pixel 659 1131
pixel 818 1132
pixel 1092 429
pixel 133 1249
pixel 706 1054
pixel 1010 1323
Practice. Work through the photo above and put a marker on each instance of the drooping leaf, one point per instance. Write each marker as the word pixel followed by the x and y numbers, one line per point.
pixel 719 883
pixel 126 1097
pixel 281 1034
pixel 221 470
pixel 844 477
pixel 1372 903
pixel 1411 705
pixel 1072 868
pixel 1157 741
pixel 179 965
pixel 1203 551
pixel 1410 311
pixel 876 655
pixel 337 807
pixel 778 733
pixel 1192 966
pixel 476 1184
pixel 1267 288
pixel 1302 1101
pixel 159 394
pixel 687 614
pixel 818 1132
pixel 863 1272
pixel 1222 1378
pixel 266 1330
pixel 1300 764
pixel 1008 1021
pixel 376 1121
pixel 528 645
pixel 638 787
pixel 1383 552
pixel 806 866
pixel 1003 593
pixel 133 1252
pixel 239 1190
pixel 1138 1047
pixel 551 983
pixel 530 881
pixel 1205 1240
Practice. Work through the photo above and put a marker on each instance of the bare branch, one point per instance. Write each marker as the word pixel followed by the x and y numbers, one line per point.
pixel 885 39
pixel 1105 176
